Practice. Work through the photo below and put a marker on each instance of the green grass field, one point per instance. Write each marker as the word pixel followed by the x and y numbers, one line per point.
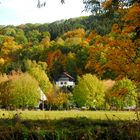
pixel 55 115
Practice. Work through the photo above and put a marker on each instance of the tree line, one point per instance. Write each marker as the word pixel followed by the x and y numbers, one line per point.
pixel 102 46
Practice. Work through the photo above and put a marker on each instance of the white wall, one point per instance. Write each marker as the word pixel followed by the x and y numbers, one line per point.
pixel 65 83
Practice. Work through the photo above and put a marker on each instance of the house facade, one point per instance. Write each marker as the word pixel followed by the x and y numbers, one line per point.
pixel 65 80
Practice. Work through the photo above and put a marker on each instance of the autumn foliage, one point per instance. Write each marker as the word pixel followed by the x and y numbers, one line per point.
pixel 109 51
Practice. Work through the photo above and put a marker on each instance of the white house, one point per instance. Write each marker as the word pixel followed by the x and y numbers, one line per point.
pixel 65 80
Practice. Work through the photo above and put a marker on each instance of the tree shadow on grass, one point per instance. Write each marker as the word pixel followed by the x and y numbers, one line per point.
pixel 80 128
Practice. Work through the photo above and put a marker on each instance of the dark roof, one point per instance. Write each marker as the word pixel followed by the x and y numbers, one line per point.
pixel 64 75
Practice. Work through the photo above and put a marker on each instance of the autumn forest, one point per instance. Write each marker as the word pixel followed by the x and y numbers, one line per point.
pixel 92 49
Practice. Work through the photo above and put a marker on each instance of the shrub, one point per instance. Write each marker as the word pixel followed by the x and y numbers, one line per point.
pixel 89 92
pixel 19 91
pixel 122 94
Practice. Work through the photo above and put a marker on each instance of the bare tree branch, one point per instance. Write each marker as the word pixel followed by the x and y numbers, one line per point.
pixel 43 4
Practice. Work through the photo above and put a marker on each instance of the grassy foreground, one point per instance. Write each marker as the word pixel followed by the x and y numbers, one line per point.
pixel 69 125
pixel 55 115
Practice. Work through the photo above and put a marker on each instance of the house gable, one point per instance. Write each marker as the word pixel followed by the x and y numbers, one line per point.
pixel 65 80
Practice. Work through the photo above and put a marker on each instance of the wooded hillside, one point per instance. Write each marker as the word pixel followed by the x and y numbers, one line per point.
pixel 106 44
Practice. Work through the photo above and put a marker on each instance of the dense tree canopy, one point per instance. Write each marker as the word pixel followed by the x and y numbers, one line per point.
pixel 89 92
pixel 19 91
pixel 39 74
pixel 122 94
pixel 105 44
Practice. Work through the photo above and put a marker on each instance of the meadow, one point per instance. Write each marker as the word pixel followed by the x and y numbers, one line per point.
pixel 55 115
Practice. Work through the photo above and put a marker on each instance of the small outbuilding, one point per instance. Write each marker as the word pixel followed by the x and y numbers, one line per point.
pixel 42 99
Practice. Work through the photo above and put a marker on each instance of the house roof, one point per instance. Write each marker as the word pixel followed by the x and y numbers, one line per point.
pixel 65 74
